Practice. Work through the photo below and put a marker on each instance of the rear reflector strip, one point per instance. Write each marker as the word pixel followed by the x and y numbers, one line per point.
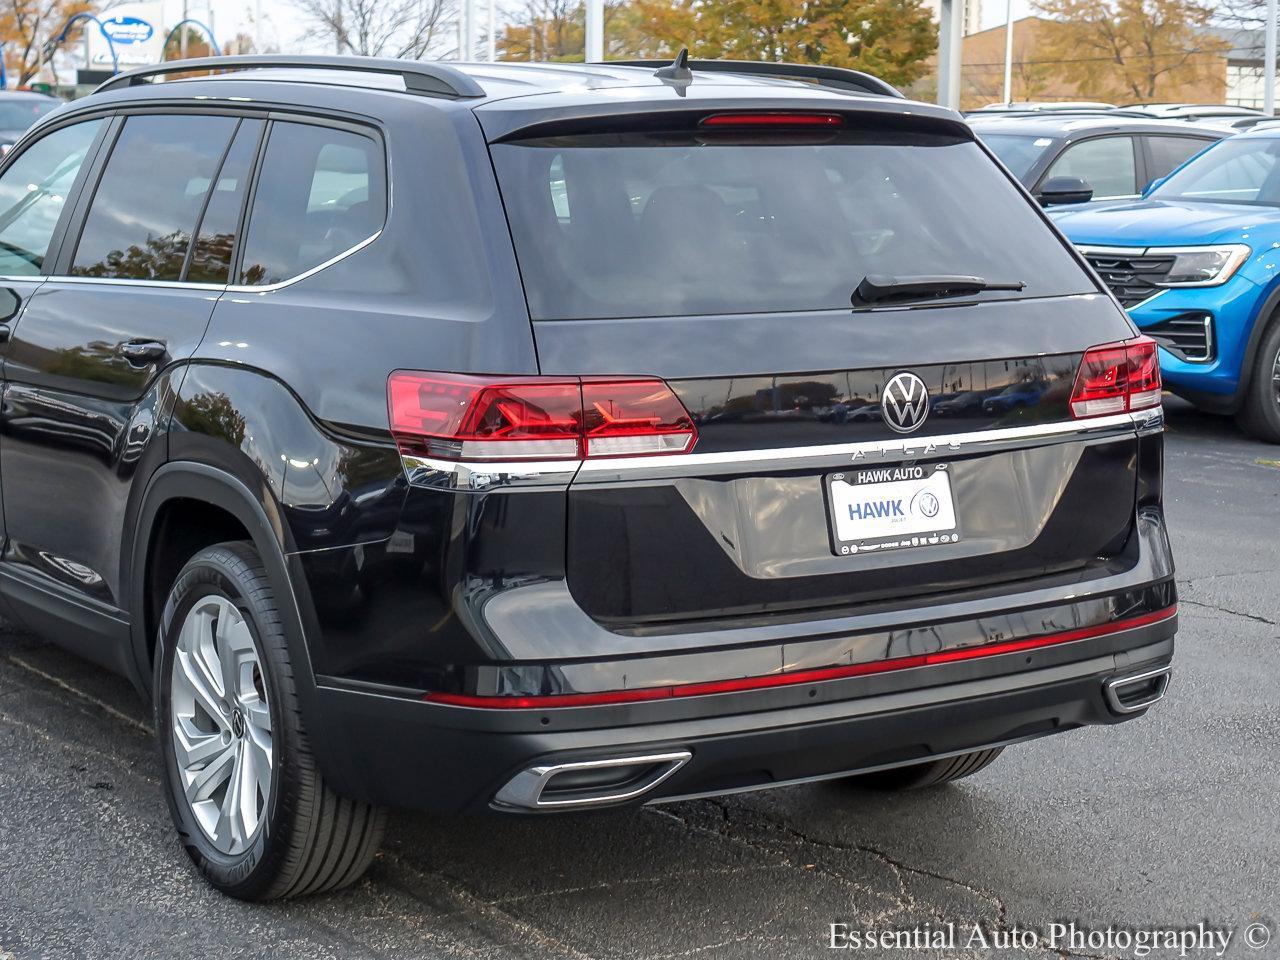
pixel 773 120
pixel 799 676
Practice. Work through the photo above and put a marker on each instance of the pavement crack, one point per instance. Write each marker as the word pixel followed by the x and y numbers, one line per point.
pixel 1227 610
pixel 81 695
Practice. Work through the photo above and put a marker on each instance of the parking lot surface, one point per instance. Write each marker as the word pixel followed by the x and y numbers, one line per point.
pixel 1169 821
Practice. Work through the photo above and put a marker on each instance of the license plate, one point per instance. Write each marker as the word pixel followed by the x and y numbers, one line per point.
pixel 889 508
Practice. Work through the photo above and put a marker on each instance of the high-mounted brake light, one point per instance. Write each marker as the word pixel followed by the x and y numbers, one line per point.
pixel 1117 377
pixel 454 417
pixel 773 120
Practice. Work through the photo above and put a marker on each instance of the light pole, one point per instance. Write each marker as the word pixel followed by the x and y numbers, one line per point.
pixel 1269 66
pixel 493 26
pixel 950 38
pixel 595 31
pixel 1008 52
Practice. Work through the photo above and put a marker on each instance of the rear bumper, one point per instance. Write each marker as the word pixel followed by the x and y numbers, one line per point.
pixel 412 754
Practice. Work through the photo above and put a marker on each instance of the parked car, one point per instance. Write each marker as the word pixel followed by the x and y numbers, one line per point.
pixel 361 413
pixel 1076 159
pixel 1194 263
pixel 1044 106
pixel 19 109
pixel 1194 111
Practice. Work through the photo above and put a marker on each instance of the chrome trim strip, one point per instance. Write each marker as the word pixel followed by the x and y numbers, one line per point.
pixel 1111 688
pixel 268 287
pixel 874 451
pixel 524 790
pixel 129 282
pixel 452 475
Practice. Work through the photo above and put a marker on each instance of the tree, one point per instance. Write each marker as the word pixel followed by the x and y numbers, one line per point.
pixel 889 38
pixel 1132 49
pixel 27 29
pixel 379 28
pixel 556 29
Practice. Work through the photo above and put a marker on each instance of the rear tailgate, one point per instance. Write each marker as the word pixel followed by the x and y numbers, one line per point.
pixel 723 261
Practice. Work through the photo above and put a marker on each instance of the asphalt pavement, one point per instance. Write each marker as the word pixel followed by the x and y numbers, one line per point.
pixel 1165 823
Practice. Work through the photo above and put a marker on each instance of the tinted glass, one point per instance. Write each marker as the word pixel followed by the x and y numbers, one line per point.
pixel 1105 163
pixel 1233 171
pixel 1169 153
pixel 33 192
pixel 321 192
pixel 17 115
pixel 640 225
pixel 215 241
pixel 1018 153
pixel 145 208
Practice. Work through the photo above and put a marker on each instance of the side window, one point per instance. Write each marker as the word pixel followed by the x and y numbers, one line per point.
pixel 215 240
pixel 151 193
pixel 1169 153
pixel 1105 163
pixel 33 192
pixel 321 191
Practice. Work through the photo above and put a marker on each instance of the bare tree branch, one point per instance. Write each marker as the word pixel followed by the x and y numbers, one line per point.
pixel 410 29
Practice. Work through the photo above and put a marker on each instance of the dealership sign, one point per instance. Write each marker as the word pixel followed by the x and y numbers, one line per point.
pixel 136 31
pixel 128 29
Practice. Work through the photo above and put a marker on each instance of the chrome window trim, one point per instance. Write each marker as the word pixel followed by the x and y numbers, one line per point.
pixel 452 475
pixel 281 284
pixel 182 285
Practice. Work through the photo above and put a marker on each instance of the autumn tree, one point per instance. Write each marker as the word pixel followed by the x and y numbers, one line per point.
pixel 379 28
pixel 1132 49
pixel 889 38
pixel 555 30
pixel 28 29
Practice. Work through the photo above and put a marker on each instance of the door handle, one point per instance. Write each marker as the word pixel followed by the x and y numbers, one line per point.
pixel 144 351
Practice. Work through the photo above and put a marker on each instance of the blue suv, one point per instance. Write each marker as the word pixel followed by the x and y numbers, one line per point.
pixel 1196 262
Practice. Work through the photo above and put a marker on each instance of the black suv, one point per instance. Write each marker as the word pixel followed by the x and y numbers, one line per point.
pixel 542 438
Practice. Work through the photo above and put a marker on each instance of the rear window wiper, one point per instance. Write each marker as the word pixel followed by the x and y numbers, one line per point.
pixel 879 288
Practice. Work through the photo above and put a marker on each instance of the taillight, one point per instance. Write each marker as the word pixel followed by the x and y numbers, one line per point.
pixel 1117 377
pixel 455 417
pixel 773 120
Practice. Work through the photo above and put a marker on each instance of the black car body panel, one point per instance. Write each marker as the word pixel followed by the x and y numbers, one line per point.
pixel 265 417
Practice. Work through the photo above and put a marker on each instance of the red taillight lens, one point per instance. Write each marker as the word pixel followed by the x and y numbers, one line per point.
pixel 773 120
pixel 475 418
pixel 458 417
pixel 1117 377
pixel 633 418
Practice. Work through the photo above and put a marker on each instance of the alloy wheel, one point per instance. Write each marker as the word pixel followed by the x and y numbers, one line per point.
pixel 221 724
pixel 1275 379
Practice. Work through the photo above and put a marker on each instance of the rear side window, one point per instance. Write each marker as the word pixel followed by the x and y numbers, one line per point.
pixel 33 192
pixel 1169 153
pixel 321 192
pixel 151 193
pixel 671 224
pixel 1240 170
pixel 1105 163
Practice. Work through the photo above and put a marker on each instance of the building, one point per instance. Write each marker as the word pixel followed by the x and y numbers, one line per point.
pixel 972 14
pixel 1229 71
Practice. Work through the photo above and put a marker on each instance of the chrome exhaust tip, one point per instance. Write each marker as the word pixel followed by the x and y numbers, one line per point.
pixel 589 783
pixel 1137 691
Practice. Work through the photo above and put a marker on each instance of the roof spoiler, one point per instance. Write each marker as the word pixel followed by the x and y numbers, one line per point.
pixel 836 78
pixel 429 79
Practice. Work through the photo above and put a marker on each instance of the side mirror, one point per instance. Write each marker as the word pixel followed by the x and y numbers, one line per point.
pixel 1064 190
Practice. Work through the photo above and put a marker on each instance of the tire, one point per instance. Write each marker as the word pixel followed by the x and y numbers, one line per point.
pixel 930 774
pixel 290 835
pixel 1260 415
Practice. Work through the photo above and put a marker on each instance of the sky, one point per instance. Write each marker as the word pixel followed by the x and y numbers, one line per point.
pixel 279 25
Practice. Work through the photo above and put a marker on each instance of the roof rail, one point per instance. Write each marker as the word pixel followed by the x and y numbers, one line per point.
pixel 837 78
pixel 427 79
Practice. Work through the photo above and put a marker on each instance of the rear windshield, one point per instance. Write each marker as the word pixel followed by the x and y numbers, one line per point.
pixel 649 225
pixel 1016 151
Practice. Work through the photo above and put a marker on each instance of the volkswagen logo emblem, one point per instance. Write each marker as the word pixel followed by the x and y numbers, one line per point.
pixel 904 403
